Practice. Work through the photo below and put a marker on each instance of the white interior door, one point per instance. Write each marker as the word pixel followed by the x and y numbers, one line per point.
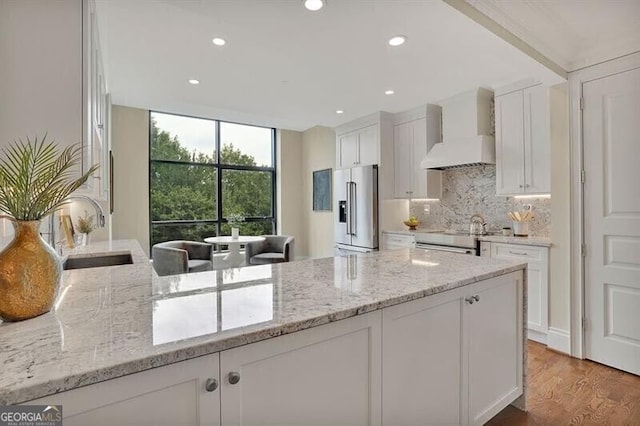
pixel 611 129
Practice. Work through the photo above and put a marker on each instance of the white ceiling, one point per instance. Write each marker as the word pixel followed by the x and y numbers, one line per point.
pixel 572 33
pixel 286 67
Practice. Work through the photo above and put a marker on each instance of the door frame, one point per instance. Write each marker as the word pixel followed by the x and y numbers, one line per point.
pixel 577 232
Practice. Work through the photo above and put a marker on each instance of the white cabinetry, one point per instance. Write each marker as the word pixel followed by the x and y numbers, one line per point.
pixel 391 240
pixel 414 134
pixel 451 358
pixel 324 375
pixel 97 107
pixel 41 69
pixel 358 148
pixel 523 137
pixel 475 369
pixel 185 393
pixel 537 259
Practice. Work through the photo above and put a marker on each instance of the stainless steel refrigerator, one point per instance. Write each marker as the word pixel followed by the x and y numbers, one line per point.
pixel 356 209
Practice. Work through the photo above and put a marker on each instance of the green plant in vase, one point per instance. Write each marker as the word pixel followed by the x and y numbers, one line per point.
pixel 35 179
pixel 234 220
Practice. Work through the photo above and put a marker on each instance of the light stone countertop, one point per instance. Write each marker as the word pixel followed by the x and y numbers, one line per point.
pixel 113 321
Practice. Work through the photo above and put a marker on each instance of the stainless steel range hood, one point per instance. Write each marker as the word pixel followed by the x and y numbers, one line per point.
pixel 466 130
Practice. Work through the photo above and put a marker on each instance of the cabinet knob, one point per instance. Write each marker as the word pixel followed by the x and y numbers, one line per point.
pixel 472 299
pixel 211 385
pixel 527 185
pixel 521 186
pixel 234 377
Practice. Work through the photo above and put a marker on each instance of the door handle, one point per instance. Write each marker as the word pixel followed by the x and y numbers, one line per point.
pixel 211 385
pixel 348 208
pixel 354 206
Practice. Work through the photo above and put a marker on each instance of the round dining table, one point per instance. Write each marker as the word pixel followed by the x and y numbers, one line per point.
pixel 233 259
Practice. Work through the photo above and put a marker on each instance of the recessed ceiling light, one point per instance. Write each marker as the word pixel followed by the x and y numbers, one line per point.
pixel 313 5
pixel 194 81
pixel 397 40
pixel 219 41
pixel 339 111
pixel 389 92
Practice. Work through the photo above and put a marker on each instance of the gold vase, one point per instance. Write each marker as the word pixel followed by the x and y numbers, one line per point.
pixel 30 272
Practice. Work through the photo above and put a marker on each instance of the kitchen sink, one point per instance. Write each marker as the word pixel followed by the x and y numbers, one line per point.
pixel 82 262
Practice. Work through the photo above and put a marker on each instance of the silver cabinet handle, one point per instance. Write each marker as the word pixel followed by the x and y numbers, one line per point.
pixel 527 185
pixel 518 254
pixel 211 385
pixel 521 186
pixel 476 297
pixel 234 377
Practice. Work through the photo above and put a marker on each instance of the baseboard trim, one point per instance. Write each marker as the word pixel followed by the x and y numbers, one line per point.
pixel 559 340
pixel 537 336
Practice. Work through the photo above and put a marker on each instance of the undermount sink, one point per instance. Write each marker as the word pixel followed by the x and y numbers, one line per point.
pixel 82 262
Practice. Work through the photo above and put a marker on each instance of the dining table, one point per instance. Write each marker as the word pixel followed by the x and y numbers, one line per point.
pixel 233 258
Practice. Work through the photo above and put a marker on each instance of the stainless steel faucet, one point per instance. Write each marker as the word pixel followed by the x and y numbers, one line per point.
pixel 100 219
pixel 99 212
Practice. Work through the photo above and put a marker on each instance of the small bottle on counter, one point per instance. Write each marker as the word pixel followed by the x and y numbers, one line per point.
pixel 506 231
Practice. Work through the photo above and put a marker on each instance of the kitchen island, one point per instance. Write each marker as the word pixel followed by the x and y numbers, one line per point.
pixel 302 342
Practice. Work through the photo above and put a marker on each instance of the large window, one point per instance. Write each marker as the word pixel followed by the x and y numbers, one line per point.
pixel 201 171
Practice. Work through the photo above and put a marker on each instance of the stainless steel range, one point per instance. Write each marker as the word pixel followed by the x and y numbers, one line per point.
pixel 451 241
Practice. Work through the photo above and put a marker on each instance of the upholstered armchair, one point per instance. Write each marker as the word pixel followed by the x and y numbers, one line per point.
pixel 274 249
pixel 181 257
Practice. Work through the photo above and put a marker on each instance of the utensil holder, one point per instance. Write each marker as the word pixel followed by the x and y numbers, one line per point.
pixel 521 229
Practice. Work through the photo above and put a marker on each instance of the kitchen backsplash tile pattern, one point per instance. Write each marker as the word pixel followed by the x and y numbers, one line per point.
pixel 472 190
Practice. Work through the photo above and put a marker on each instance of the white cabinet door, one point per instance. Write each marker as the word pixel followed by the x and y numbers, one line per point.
pixel 422 362
pixel 328 375
pixel 537 259
pixel 348 150
pixel 172 395
pixel 493 327
pixel 509 143
pixel 401 160
pixel 419 176
pixel 485 248
pixel 368 145
pixel 410 143
pixel 537 140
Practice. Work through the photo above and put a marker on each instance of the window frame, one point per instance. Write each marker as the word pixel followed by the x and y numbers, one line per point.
pixel 220 220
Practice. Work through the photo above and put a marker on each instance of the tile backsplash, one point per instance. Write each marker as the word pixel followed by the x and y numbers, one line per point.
pixel 472 190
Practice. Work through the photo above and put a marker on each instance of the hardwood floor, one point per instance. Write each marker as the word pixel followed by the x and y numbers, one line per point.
pixel 569 391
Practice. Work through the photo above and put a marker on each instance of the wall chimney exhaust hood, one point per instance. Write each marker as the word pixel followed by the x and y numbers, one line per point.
pixel 466 132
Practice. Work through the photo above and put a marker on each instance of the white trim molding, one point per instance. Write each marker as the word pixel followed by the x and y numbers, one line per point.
pixel 576 80
pixel 559 340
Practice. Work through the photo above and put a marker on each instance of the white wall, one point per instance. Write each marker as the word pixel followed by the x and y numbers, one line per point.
pixel 318 152
pixel 130 145
pixel 291 220
pixel 559 265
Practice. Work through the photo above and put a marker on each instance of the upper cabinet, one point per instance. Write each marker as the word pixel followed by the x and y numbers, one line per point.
pixel 523 134
pixel 54 84
pixel 414 133
pixel 41 84
pixel 96 105
pixel 358 147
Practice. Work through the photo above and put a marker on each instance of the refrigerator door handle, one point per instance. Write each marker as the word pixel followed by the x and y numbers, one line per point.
pixel 348 208
pixel 354 206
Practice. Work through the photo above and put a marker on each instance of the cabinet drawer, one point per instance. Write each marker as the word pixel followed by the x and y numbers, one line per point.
pixel 397 240
pixel 516 251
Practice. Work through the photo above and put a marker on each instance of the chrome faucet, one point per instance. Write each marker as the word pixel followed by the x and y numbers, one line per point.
pixel 99 212
pixel 477 225
pixel 100 219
